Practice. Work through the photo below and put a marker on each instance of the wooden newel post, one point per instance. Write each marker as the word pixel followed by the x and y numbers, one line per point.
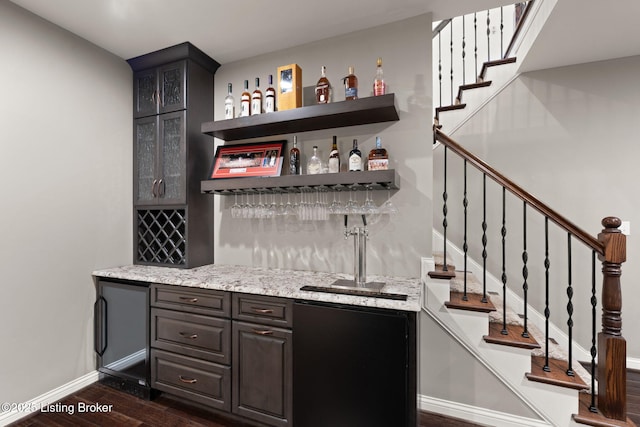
pixel 612 347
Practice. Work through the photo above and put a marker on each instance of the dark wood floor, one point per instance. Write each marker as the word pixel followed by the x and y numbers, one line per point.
pixel 166 411
pixel 162 411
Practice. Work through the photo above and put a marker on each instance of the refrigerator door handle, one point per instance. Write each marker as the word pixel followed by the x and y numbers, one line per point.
pixel 100 326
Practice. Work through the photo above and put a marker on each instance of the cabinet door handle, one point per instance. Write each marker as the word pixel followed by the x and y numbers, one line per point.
pixel 153 188
pixel 100 326
pixel 262 310
pixel 188 299
pixel 161 188
pixel 263 332
pixel 188 335
pixel 187 380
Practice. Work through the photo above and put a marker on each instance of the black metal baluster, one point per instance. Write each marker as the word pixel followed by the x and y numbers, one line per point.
pixel 525 269
pixel 475 42
pixel 501 32
pixel 503 231
pixel 488 34
pixel 444 212
pixel 464 44
pixel 451 52
pixel 547 312
pixel 440 65
pixel 465 246
pixel 484 238
pixel 570 308
pixel 594 351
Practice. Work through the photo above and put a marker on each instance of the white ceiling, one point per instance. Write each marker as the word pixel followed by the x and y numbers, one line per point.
pixel 578 31
pixel 230 30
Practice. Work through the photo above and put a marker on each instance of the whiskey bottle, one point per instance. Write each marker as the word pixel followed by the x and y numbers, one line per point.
pixel 334 157
pixel 245 101
pixel 379 87
pixel 294 158
pixel 355 157
pixel 378 158
pixel 323 88
pixel 270 97
pixel 314 165
pixel 350 86
pixel 229 104
pixel 256 99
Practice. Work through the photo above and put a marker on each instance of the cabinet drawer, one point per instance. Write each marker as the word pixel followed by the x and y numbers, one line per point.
pixel 263 309
pixel 197 380
pixel 201 301
pixel 195 335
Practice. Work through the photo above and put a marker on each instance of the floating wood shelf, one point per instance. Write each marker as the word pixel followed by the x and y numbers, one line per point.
pixel 374 109
pixel 344 181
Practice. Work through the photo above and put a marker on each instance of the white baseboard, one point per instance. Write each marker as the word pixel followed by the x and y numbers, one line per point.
pixel 26 408
pixel 475 414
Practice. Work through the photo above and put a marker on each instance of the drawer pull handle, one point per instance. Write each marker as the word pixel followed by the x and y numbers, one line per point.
pixel 262 310
pixel 189 299
pixel 187 380
pixel 188 335
pixel 263 332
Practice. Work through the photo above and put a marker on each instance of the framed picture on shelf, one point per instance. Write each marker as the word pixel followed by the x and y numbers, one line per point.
pixel 244 160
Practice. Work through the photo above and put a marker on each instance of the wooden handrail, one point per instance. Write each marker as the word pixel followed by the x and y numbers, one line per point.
pixel 518 29
pixel 520 193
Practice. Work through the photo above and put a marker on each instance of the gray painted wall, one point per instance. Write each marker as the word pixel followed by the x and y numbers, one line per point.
pixel 569 136
pixel 66 210
pixel 396 245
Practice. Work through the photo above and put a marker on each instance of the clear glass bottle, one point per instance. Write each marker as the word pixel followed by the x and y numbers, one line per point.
pixel 378 157
pixel 270 97
pixel 314 165
pixel 334 157
pixel 323 88
pixel 379 87
pixel 355 157
pixel 256 99
pixel 229 104
pixel 245 101
pixel 294 158
pixel 350 86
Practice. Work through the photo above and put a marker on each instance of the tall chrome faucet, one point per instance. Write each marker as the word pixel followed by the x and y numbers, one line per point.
pixel 360 236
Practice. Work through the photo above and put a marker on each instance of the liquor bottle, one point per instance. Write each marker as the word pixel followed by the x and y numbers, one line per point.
pixel 355 157
pixel 294 158
pixel 229 104
pixel 378 158
pixel 379 87
pixel 256 99
pixel 270 97
pixel 323 88
pixel 245 101
pixel 334 157
pixel 350 86
pixel 314 165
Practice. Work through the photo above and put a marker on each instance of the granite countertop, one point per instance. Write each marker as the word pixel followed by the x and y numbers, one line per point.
pixel 273 282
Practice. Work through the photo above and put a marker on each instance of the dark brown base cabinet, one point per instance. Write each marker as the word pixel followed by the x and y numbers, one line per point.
pixel 237 353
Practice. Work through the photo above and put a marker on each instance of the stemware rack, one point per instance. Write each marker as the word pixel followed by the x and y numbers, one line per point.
pixel 344 181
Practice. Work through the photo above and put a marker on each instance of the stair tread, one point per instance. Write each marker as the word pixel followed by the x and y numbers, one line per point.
pixel 513 337
pixel 596 419
pixel 473 303
pixel 470 86
pixel 494 63
pixel 557 374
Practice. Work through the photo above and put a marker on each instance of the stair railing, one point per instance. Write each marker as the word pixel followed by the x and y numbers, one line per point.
pixel 487 32
pixel 609 246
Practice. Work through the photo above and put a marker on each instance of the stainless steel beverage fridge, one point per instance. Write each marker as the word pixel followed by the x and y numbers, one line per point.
pixel 121 340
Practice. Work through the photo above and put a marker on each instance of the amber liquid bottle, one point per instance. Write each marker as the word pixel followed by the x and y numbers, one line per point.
pixel 256 99
pixel 379 87
pixel 323 88
pixel 245 101
pixel 350 86
pixel 270 97
pixel 294 158
pixel 378 157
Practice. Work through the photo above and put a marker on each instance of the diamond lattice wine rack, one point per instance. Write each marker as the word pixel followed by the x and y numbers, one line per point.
pixel 161 236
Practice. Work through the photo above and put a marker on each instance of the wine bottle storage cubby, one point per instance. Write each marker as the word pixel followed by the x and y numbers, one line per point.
pixel 162 236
